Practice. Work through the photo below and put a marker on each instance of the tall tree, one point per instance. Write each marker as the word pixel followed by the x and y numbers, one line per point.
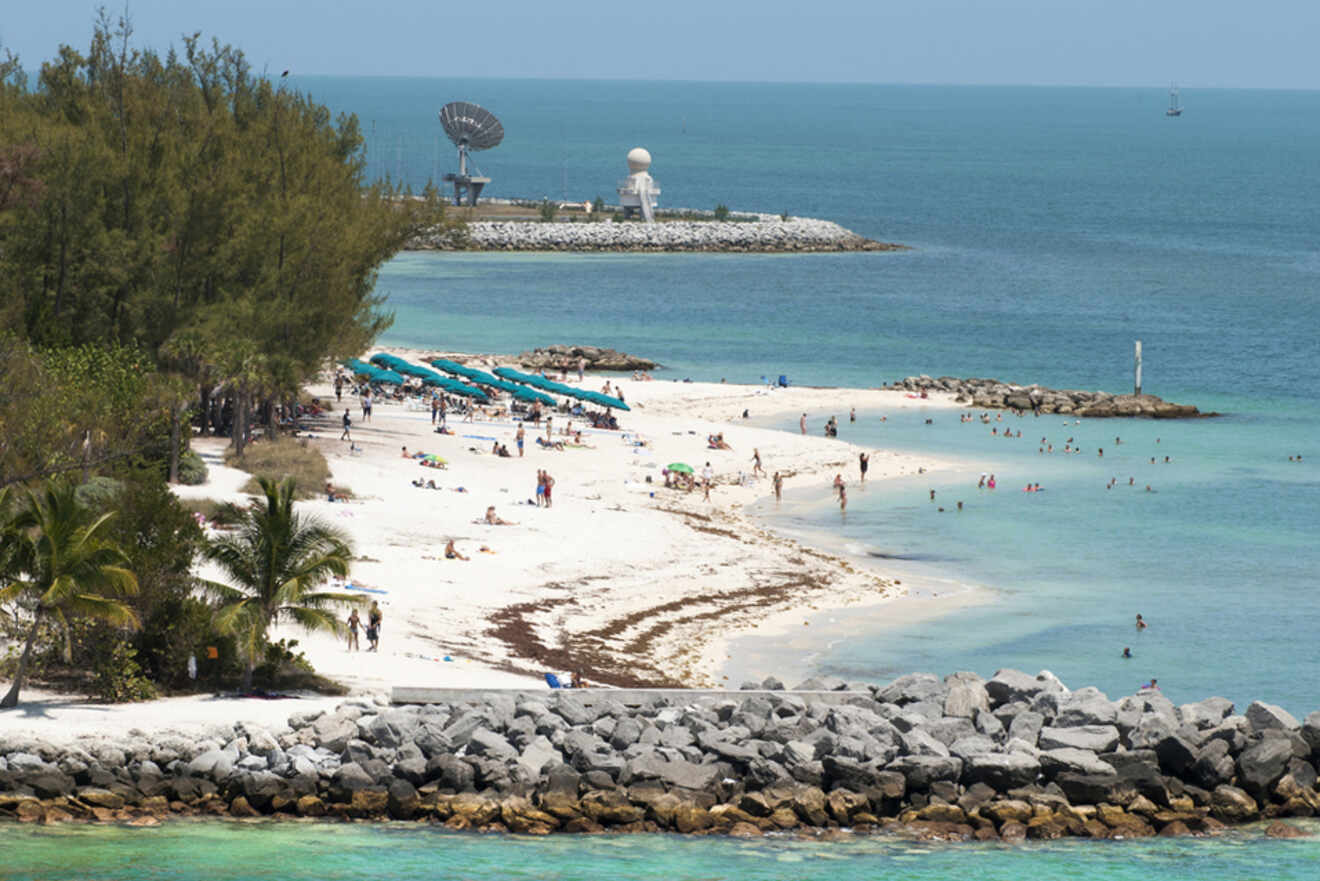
pixel 276 561
pixel 61 566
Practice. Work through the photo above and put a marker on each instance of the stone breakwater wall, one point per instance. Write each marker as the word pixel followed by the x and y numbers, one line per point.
pixel 997 395
pixel 1017 756
pixel 759 236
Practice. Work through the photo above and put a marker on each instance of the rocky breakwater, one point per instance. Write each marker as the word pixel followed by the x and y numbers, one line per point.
pixel 992 394
pixel 1017 756
pixel 596 358
pixel 796 234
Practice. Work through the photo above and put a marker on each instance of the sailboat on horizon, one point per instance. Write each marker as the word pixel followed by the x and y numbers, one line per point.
pixel 1175 106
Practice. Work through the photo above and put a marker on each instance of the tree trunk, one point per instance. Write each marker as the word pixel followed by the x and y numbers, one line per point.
pixel 11 699
pixel 206 409
pixel 272 423
pixel 247 674
pixel 240 421
pixel 176 414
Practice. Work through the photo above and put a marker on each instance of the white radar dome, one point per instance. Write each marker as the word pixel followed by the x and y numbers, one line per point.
pixel 638 159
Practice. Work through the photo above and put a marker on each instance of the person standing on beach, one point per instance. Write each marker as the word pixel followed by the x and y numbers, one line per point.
pixel 756 463
pixel 540 487
pixel 339 387
pixel 354 622
pixel 549 485
pixel 548 420
pixel 838 484
pixel 435 408
pixel 520 436
pixel 374 617
pixel 802 423
pixel 707 478
pixel 843 498
pixel 779 486
pixel 582 368
pixel 864 462
pixel 852 414
pixel 348 422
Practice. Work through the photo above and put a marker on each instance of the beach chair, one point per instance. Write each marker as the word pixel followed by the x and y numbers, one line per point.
pixel 553 681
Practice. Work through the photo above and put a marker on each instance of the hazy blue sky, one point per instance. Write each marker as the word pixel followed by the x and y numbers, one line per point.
pixel 1075 42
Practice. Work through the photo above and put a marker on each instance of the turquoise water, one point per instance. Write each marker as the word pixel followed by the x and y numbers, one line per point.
pixel 218 851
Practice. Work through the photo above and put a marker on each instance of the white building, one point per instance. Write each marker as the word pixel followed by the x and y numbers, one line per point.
pixel 639 192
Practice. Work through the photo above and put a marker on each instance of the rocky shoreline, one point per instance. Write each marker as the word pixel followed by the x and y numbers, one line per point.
pixel 992 394
pixel 562 357
pixel 958 758
pixel 766 234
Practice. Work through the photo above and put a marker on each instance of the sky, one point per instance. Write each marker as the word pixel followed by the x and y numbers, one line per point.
pixel 1210 43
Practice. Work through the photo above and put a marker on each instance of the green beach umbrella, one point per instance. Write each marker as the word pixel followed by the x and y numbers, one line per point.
pixel 680 467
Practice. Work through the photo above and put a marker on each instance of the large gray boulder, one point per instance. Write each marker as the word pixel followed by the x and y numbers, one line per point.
pixel 683 774
pixel 967 695
pixel 335 731
pixel 1026 726
pixel 1086 709
pixel 1074 761
pixel 1213 765
pixel 1013 685
pixel 1311 731
pixel 921 771
pixel 918 743
pixel 537 755
pixel 1207 713
pixel 1096 738
pixel 1176 755
pixel 1001 771
pixel 912 688
pixel 971 745
pixel 1262 764
pixel 1266 717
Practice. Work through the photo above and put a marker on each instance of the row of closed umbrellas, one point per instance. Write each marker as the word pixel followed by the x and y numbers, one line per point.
pixel 391 369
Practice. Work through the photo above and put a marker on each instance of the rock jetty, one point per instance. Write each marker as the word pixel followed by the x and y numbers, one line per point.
pixel 956 758
pixel 996 395
pixel 768 234
pixel 566 357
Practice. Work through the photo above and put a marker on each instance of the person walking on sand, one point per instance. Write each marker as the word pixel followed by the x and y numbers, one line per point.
pixel 435 408
pixel 802 423
pixel 843 498
pixel 779 486
pixel 864 462
pixel 756 463
pixel 366 404
pixel 348 422
pixel 852 415
pixel 548 421
pixel 520 436
pixel 707 478
pixel 374 617
pixel 354 622
pixel 582 367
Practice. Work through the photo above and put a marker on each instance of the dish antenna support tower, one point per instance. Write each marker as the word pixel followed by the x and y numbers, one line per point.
pixel 471 128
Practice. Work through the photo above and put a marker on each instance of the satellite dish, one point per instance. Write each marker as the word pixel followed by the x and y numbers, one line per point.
pixel 470 127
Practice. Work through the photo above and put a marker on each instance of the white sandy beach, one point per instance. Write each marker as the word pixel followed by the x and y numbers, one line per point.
pixel 623 579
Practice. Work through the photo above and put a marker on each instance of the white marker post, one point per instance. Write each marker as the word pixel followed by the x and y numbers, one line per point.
pixel 1138 369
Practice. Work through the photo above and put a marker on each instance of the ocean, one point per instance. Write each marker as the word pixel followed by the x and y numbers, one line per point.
pixel 1049 229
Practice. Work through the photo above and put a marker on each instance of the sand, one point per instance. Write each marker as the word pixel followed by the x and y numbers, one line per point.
pixel 625 580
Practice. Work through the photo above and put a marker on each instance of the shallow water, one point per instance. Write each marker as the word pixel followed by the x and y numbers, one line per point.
pixel 218 851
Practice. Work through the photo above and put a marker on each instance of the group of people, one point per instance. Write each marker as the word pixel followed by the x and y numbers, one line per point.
pixel 374 619
pixel 545 485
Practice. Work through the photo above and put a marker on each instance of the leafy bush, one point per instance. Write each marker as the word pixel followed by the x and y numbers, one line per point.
pixel 598 205
pixel 218 514
pixel 721 212
pixel 548 211
pixel 284 458
pixel 192 470
pixel 118 677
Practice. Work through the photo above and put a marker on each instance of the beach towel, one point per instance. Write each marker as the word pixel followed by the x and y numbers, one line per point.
pixel 364 589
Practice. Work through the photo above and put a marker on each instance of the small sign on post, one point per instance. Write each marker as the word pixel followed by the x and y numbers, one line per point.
pixel 1137 356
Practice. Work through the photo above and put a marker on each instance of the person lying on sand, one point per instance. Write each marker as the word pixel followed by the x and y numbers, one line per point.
pixel 451 552
pixel 332 496
pixel 494 520
pixel 550 445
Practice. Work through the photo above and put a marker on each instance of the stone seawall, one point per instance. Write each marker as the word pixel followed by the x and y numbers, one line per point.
pixel 1017 756
pixel 797 234
pixel 992 394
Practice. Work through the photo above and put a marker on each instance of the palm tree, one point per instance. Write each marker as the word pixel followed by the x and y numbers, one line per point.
pixel 58 564
pixel 275 560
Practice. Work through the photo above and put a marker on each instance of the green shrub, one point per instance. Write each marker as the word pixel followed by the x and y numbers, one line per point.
pixel 284 458
pixel 192 470
pixel 721 212
pixel 548 211
pixel 598 205
pixel 118 678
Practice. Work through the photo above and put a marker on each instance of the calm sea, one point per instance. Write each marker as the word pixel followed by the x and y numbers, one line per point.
pixel 1050 228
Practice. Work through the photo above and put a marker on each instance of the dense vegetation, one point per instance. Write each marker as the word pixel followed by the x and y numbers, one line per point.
pixel 183 244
